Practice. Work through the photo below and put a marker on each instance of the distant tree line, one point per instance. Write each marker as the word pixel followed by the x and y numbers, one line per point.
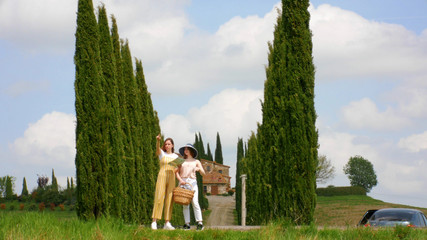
pixel 116 166
pixel 44 192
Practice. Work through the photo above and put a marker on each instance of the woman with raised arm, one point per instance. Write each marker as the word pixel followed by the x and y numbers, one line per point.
pixel 165 183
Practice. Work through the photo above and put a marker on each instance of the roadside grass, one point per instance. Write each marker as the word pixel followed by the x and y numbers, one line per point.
pixel 335 218
pixel 36 225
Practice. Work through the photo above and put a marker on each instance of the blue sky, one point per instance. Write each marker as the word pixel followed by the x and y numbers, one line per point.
pixel 204 65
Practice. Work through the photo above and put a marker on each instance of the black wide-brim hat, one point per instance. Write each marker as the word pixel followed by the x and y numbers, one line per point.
pixel 181 150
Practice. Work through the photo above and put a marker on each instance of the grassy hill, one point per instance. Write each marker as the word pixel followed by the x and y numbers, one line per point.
pixel 342 211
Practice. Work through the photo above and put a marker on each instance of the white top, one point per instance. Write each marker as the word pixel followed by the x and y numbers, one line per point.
pixel 168 155
pixel 188 168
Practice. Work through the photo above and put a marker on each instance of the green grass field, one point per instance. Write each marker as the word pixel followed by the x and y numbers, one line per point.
pixel 335 218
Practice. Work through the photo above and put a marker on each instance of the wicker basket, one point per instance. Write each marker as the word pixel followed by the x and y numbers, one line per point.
pixel 183 196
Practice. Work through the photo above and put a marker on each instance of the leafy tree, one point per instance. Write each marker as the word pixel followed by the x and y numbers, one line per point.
pixel 218 150
pixel 24 192
pixel 361 173
pixel 324 170
pixel 42 181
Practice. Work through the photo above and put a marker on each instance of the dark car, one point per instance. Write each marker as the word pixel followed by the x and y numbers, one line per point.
pixel 390 217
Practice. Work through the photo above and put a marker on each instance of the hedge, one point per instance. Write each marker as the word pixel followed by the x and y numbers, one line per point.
pixel 340 191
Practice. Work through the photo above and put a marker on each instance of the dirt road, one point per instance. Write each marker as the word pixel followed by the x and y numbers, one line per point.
pixel 222 211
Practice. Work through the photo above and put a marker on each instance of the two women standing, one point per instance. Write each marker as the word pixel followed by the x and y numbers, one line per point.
pixel 186 173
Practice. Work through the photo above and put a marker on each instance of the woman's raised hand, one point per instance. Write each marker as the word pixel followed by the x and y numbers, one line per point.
pixel 158 137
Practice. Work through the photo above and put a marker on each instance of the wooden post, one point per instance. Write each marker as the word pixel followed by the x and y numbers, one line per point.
pixel 243 176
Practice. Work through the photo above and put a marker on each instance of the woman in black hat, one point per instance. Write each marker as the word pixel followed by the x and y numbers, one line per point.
pixel 187 174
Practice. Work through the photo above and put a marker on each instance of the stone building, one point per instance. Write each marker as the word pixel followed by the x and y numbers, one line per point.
pixel 217 178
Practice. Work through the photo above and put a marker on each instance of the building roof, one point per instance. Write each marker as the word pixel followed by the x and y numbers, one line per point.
pixel 213 162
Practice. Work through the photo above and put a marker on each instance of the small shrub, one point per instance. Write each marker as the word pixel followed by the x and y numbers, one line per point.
pixel 2 206
pixel 12 207
pixel 32 207
pixel 21 206
pixel 208 194
pixel 52 206
pixel 61 206
pixel 402 232
pixel 34 195
pixel 42 207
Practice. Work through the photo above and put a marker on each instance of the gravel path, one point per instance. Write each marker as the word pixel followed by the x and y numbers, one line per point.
pixel 222 211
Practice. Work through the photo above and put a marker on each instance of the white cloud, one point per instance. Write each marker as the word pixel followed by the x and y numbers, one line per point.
pixel 411 98
pixel 364 114
pixel 414 143
pixel 233 113
pixel 235 54
pixel 346 45
pixel 39 26
pixel 49 142
pixel 340 146
pixel 178 128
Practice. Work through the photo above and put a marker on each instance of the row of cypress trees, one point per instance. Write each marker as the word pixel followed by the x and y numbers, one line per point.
pixel 281 157
pixel 198 144
pixel 116 127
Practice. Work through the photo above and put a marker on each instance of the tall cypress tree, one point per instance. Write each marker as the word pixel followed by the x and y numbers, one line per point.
pixel 209 155
pixel 129 210
pixel 288 137
pixel 134 107
pixel 91 131
pixel 116 155
pixel 202 154
pixel 238 187
pixel 258 186
pixel 54 182
pixel 218 150
pixel 9 187
pixel 148 137
pixel 24 192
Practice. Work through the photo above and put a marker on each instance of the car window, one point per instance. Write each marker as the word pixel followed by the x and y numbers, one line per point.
pixel 393 216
